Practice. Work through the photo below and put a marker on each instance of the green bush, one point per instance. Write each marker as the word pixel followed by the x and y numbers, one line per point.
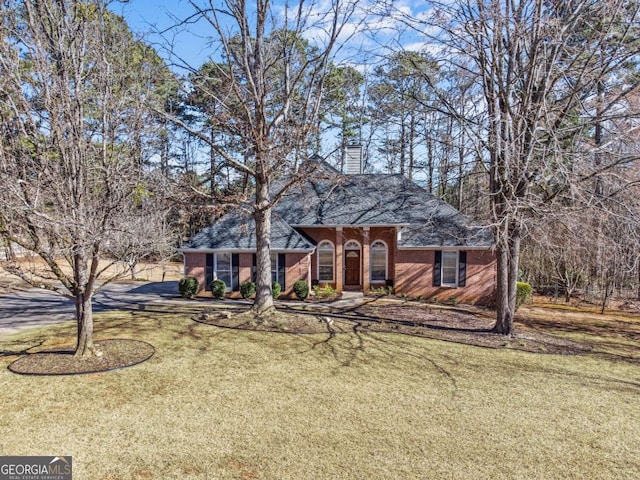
pixel 275 289
pixel 218 288
pixel 523 293
pixel 324 292
pixel 247 289
pixel 381 290
pixel 188 287
pixel 301 289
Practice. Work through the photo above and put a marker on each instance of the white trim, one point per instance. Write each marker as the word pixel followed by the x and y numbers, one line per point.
pixel 333 261
pixel 386 262
pixel 457 269
pixel 345 247
pixel 215 269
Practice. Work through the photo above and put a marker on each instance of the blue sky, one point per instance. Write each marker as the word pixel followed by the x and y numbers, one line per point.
pixel 147 17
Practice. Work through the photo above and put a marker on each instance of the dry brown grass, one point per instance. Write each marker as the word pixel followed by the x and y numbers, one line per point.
pixel 219 403
pixel 153 272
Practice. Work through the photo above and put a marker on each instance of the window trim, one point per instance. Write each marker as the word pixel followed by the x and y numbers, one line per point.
pixel 333 260
pixel 352 245
pixel 215 268
pixel 457 269
pixel 386 261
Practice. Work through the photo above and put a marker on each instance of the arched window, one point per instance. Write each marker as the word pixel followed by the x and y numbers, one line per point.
pixel 378 261
pixel 326 261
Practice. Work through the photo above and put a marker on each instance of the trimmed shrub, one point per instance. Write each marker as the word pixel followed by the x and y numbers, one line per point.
pixel 188 287
pixel 523 293
pixel 247 289
pixel 218 288
pixel 275 289
pixel 301 289
pixel 324 292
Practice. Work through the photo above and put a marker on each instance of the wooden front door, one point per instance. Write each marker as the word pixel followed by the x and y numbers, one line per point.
pixel 352 267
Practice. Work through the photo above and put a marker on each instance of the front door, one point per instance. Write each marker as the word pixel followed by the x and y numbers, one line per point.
pixel 352 267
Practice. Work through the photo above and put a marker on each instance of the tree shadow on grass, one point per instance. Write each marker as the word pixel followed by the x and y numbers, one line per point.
pixel 464 325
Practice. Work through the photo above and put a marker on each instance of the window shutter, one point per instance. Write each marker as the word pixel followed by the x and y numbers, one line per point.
pixel 281 270
pixel 208 272
pixel 235 272
pixel 462 269
pixel 254 268
pixel 437 269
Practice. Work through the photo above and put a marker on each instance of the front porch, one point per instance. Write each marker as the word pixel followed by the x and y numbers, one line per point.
pixel 352 259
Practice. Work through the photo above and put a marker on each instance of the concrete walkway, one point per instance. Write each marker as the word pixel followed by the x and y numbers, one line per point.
pixel 348 299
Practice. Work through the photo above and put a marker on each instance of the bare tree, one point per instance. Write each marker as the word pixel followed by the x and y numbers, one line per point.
pixel 269 84
pixel 71 178
pixel 537 66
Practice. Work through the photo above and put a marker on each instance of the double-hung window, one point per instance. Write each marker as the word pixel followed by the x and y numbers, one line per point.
pixel 278 264
pixel 222 266
pixel 450 268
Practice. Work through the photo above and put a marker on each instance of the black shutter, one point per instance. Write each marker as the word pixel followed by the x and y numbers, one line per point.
pixel 208 273
pixel 235 272
pixel 462 269
pixel 281 270
pixel 437 269
pixel 254 268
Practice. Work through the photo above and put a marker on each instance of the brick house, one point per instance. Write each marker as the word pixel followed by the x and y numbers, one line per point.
pixel 355 232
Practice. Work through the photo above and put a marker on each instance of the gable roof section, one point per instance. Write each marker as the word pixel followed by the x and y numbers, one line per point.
pixel 379 199
pixel 237 231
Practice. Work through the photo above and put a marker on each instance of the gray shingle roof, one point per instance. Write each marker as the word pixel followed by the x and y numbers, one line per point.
pixel 237 231
pixel 379 199
pixel 335 199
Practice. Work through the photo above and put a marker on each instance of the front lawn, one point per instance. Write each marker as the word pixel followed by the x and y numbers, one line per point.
pixel 231 404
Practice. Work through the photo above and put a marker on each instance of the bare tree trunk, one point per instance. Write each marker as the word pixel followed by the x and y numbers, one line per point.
pixel 514 262
pixel 264 300
pixel 212 163
pixel 605 297
pixel 504 317
pixel 84 316
pixel 430 165
pixel 412 139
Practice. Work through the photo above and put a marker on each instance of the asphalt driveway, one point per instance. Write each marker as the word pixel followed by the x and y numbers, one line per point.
pixel 36 307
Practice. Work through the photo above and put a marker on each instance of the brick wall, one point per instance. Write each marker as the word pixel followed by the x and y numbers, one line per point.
pixel 245 267
pixel 296 269
pixel 414 276
pixel 194 266
pixel 411 270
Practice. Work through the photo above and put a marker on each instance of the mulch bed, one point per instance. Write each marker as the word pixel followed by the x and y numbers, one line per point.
pixel 468 325
pixel 115 354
